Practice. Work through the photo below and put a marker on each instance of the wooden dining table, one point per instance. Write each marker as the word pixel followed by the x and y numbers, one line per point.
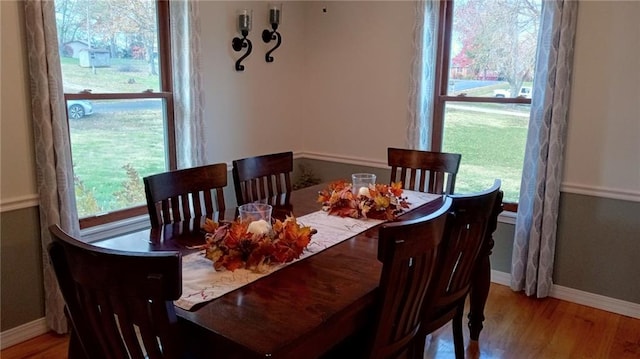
pixel 300 311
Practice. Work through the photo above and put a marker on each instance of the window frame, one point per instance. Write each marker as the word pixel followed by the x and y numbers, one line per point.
pixel 441 96
pixel 165 93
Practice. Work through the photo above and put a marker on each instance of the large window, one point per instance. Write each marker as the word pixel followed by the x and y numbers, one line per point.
pixel 117 84
pixel 485 66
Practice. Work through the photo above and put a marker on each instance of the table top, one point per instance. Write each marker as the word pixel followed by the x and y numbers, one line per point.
pixel 299 311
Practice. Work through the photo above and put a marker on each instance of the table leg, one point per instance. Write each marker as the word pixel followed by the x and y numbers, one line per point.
pixel 479 292
pixel 482 278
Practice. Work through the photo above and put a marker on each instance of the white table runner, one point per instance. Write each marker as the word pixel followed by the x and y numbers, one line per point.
pixel 202 283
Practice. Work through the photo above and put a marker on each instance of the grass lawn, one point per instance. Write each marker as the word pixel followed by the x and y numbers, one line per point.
pixel 492 146
pixel 104 143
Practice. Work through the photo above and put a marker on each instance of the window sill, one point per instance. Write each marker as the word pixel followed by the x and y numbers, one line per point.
pixel 507 217
pixel 118 228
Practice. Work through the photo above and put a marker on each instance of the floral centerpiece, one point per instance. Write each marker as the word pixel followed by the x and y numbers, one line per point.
pixel 379 201
pixel 254 245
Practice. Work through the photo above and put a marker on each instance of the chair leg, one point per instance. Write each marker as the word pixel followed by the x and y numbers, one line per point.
pixel 76 350
pixel 458 340
pixel 416 350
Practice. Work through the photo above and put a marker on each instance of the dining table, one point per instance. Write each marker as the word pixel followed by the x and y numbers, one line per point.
pixel 302 310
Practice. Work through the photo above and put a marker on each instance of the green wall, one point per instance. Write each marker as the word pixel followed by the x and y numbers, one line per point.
pixel 21 290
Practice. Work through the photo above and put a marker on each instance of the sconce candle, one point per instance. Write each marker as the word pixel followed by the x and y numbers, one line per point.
pixel 239 43
pixel 244 20
pixel 275 13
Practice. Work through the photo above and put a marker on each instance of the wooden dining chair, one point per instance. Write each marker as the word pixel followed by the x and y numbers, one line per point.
pixel 120 304
pixel 263 178
pixel 424 171
pixel 407 250
pixel 178 195
pixel 470 229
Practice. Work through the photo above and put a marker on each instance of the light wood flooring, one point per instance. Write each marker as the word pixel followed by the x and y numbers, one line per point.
pixel 516 327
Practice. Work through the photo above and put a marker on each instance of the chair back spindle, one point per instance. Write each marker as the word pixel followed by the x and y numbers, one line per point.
pixel 179 195
pixel 408 252
pixel 120 303
pixel 263 178
pixel 424 171
pixel 470 228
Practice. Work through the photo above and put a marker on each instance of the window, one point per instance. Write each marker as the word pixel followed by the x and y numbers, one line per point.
pixel 117 84
pixel 485 66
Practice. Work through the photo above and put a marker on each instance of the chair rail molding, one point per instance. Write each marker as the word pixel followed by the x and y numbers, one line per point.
pixel 567 187
pixel 19 202
pixel 598 191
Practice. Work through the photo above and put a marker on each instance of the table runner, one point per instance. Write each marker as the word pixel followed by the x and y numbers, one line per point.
pixel 202 283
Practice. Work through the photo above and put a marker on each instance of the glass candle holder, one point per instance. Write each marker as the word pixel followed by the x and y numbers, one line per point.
pixel 360 183
pixel 258 215
pixel 275 13
pixel 244 20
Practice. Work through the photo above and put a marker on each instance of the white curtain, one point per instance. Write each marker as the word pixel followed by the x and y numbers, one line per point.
pixel 536 223
pixel 423 73
pixel 187 83
pixel 54 175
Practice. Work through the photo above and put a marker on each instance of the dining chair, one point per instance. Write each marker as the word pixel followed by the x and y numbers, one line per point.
pixel 407 250
pixel 178 195
pixel 424 171
pixel 470 229
pixel 263 178
pixel 120 304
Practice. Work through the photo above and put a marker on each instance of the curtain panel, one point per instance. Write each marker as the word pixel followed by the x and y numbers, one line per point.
pixel 422 77
pixel 54 169
pixel 536 223
pixel 54 175
pixel 187 83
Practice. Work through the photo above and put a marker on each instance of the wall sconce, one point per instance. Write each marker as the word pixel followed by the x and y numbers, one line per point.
pixel 275 14
pixel 244 25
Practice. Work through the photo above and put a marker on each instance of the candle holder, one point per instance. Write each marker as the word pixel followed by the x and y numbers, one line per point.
pixel 244 26
pixel 275 15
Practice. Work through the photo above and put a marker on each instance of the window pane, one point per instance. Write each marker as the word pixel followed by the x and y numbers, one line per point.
pixel 108 46
pixel 491 139
pixel 493 47
pixel 113 148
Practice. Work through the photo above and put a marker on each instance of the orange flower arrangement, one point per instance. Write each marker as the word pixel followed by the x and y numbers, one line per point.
pixel 231 245
pixel 381 201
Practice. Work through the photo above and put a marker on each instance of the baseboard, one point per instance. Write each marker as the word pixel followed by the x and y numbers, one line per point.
pixel 22 333
pixel 597 301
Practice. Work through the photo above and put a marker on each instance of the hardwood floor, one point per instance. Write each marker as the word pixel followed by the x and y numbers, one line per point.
pixel 516 327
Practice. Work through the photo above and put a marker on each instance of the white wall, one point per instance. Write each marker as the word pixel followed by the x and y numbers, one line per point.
pixel 17 173
pixel 603 145
pixel 339 86
pixel 358 66
pixel 259 110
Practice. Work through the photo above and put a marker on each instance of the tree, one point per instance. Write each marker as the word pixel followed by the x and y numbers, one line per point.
pixel 499 36
pixel 103 23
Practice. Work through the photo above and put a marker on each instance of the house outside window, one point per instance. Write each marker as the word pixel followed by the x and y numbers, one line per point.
pixel 117 84
pixel 485 67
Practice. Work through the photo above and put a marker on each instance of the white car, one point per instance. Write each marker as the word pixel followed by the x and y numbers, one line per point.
pixel 525 92
pixel 79 108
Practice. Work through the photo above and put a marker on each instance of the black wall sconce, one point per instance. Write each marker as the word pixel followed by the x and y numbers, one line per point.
pixel 244 25
pixel 275 14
